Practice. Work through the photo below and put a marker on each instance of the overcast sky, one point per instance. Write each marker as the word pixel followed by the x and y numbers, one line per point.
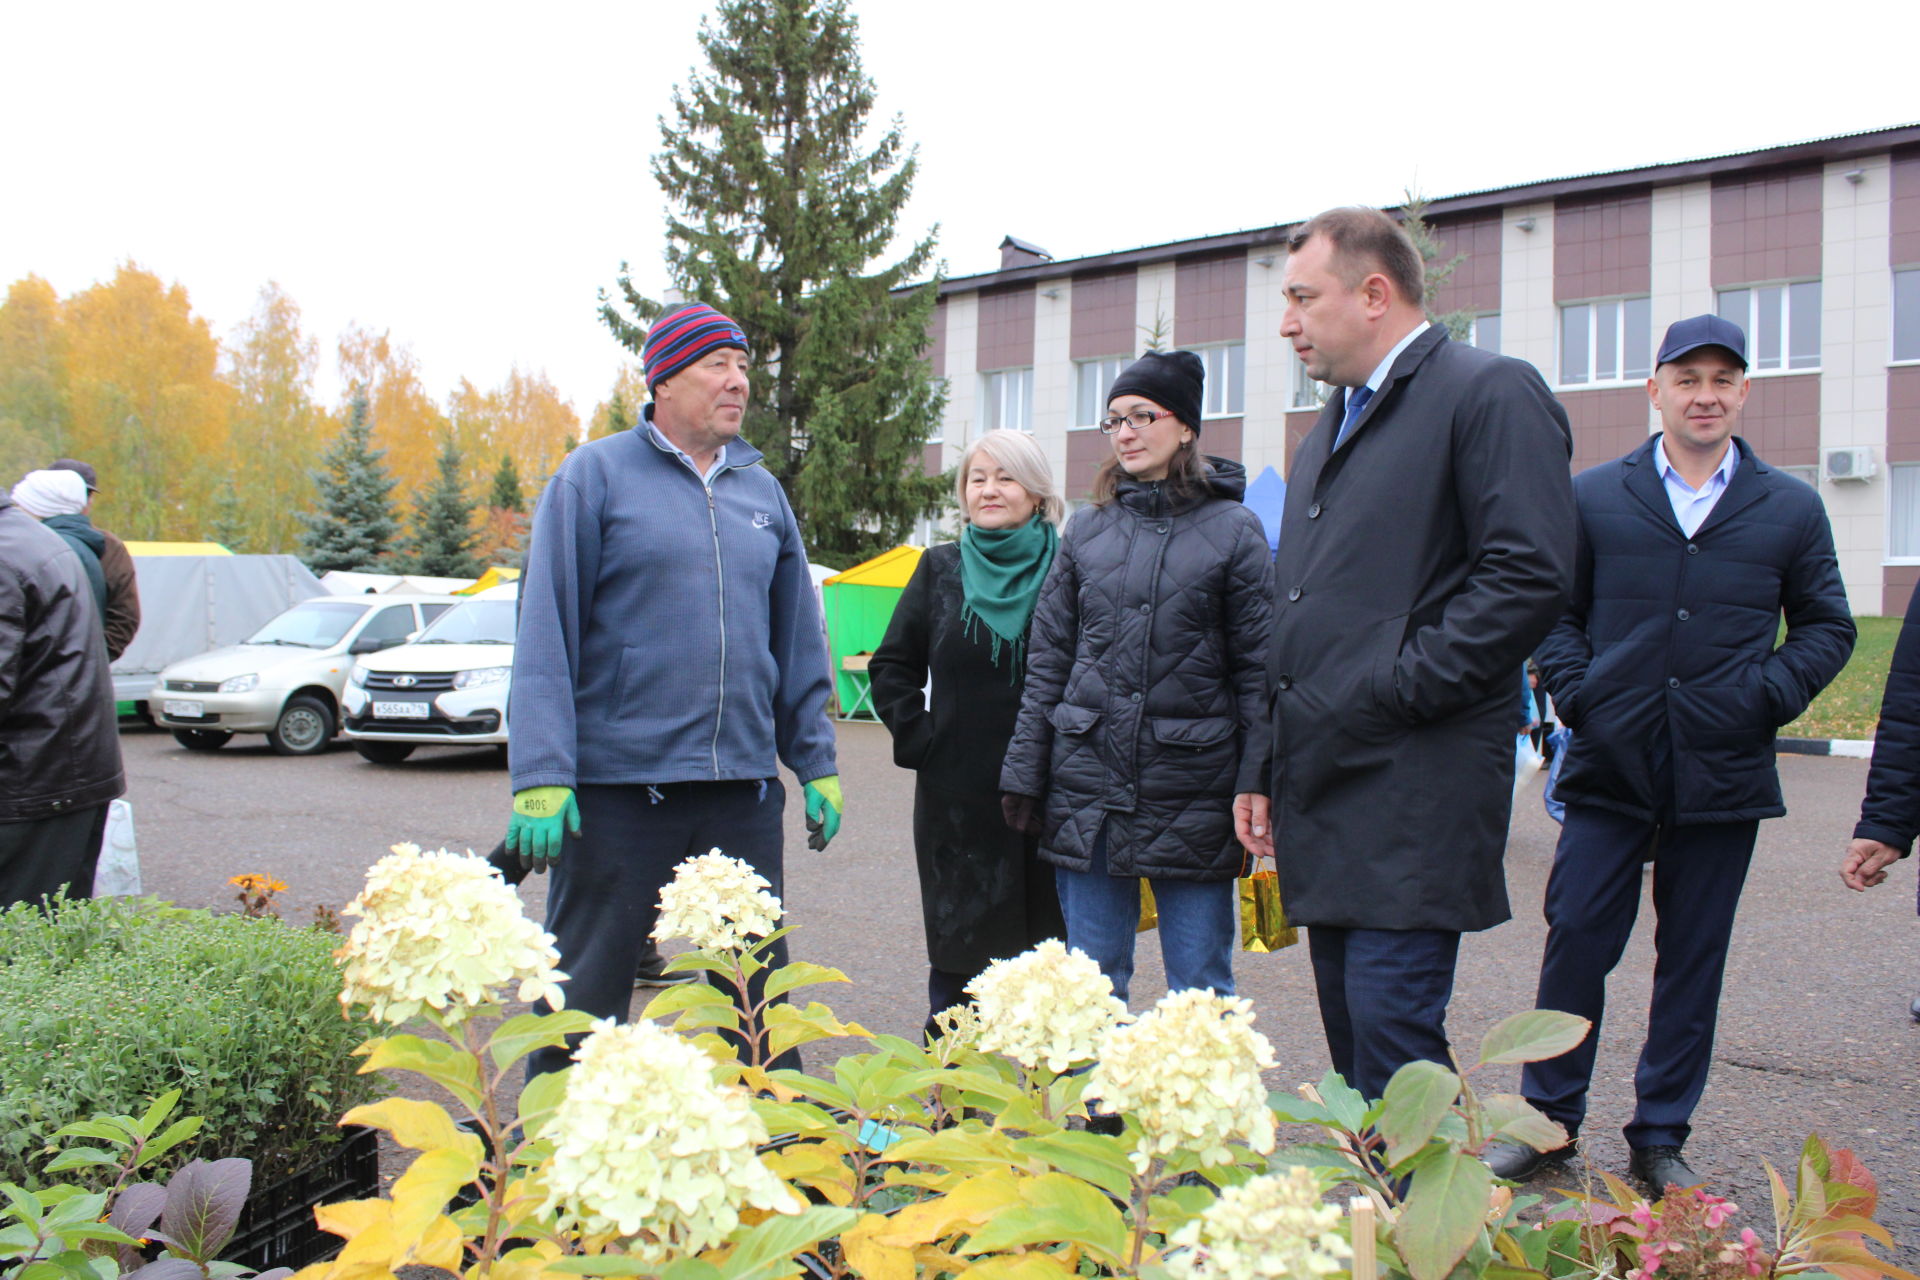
pixel 467 175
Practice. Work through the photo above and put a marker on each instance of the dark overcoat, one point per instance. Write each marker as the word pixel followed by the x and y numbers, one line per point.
pixel 984 894
pixel 1146 681
pixel 1419 565
pixel 1668 648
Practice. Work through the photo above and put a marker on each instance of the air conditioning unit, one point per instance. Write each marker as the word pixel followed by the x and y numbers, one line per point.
pixel 1843 465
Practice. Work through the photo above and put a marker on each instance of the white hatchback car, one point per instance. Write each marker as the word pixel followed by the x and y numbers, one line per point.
pixel 447 688
pixel 285 679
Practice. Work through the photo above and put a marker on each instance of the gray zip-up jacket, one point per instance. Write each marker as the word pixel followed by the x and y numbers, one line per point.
pixel 669 631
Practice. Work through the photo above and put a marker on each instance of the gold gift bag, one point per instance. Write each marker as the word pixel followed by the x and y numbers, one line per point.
pixel 1263 917
pixel 1149 910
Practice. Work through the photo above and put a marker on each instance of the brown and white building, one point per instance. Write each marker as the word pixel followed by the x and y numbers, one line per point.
pixel 1813 248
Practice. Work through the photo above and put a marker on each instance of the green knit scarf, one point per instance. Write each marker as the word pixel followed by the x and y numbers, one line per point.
pixel 1000 575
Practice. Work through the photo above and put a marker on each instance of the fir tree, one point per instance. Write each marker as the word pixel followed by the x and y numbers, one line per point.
pixel 779 212
pixel 228 524
pixel 354 527
pixel 443 537
pixel 1413 210
pixel 506 494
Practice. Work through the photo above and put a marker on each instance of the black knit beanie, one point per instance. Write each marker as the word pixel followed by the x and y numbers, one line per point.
pixel 1171 379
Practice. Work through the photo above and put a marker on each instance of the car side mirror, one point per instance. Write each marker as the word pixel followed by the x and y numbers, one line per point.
pixel 366 644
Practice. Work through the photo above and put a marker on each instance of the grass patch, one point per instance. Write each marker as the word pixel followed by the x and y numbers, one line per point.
pixel 1850 706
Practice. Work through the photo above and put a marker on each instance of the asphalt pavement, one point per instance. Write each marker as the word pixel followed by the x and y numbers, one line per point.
pixel 1814 1034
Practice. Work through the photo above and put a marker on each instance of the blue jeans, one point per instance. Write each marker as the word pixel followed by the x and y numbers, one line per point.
pixel 1197 924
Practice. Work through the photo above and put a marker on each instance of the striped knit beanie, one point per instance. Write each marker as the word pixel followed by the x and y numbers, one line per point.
pixel 682 336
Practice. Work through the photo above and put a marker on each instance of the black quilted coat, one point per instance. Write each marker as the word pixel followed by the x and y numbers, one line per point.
pixel 1146 676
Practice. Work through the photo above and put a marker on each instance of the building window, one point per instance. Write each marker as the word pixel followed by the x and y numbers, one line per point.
pixel 1091 378
pixel 1781 321
pixel 1226 389
pixel 1906 314
pixel 1306 393
pixel 1903 511
pixel 1606 341
pixel 1006 400
pixel 1484 332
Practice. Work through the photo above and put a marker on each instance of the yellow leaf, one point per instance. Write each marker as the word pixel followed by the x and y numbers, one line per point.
pixel 349 1218
pixel 1019 1266
pixel 421 1193
pixel 441 1246
pixel 423 1126
pixel 869 1257
pixel 969 1204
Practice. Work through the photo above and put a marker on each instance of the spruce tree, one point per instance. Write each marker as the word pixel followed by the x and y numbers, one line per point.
pixel 778 212
pixel 506 494
pixel 1413 212
pixel 443 538
pixel 228 524
pixel 354 527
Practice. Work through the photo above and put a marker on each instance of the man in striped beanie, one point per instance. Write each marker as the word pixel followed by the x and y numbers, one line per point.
pixel 670 658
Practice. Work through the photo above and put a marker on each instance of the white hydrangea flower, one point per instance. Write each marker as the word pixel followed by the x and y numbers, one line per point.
pixel 718 902
pixel 1048 1005
pixel 1189 1071
pixel 646 1142
pixel 443 931
pixel 1274 1227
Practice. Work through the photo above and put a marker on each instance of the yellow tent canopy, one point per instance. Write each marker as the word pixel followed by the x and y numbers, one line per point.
pixel 888 569
pixel 176 549
pixel 491 578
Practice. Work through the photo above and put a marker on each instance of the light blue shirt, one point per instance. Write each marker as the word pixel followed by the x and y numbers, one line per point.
pixel 1379 378
pixel 1692 506
pixel 719 458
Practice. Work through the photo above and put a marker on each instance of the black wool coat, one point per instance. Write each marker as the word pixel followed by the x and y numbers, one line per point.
pixel 1146 681
pixel 1670 640
pixel 1419 565
pixel 984 895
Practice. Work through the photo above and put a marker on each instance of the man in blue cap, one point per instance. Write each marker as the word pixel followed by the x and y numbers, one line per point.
pixel 1666 668
pixel 670 657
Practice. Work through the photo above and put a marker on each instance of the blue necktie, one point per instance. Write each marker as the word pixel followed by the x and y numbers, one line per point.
pixel 1357 398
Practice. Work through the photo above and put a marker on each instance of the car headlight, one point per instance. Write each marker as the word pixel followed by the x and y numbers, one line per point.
pixel 357 677
pixel 239 684
pixel 481 675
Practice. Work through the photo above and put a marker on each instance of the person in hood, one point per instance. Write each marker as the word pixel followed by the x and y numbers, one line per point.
pixel 670 658
pixel 58 499
pixel 1146 682
pixel 116 564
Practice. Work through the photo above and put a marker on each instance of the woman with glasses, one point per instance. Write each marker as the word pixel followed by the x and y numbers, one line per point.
pixel 1146 679
pixel 946 680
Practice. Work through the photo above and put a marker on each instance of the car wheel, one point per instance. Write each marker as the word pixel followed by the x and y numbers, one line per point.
pixel 202 739
pixel 384 752
pixel 304 728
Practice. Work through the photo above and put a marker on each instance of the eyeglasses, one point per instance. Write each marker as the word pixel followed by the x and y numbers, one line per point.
pixel 1139 420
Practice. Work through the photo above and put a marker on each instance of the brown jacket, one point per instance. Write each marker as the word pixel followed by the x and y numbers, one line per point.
pixel 123 596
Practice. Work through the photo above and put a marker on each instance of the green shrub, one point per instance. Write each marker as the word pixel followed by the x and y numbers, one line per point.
pixel 106 1004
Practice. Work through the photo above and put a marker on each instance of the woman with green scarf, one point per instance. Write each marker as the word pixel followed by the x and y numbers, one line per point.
pixel 947 681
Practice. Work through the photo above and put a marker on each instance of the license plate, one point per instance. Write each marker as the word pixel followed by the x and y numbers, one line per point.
pixel 191 710
pixel 400 711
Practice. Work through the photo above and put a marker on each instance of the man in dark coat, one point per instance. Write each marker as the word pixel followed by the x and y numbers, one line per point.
pixel 59 742
pixel 1425 549
pixel 1666 669
pixel 1890 814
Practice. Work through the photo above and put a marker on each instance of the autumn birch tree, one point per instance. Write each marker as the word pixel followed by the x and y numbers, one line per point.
pixel 277 427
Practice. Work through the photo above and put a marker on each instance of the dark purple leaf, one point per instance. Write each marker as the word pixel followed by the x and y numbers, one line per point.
pixel 171 1269
pixel 203 1206
pixel 136 1207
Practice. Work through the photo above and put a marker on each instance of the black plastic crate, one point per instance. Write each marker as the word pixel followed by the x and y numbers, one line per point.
pixel 276 1227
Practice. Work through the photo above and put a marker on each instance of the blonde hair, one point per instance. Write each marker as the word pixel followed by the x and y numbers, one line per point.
pixel 1020 458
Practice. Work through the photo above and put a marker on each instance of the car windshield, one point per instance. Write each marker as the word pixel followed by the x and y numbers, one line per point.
pixel 475 622
pixel 312 624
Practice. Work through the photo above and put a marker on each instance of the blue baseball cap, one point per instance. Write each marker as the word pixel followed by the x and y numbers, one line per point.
pixel 1701 331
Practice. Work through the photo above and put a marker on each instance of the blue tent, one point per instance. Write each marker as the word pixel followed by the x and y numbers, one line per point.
pixel 1266 498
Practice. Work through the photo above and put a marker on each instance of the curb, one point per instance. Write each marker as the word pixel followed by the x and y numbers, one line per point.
pixel 1857 748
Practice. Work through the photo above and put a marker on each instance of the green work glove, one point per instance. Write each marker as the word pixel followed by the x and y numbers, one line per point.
pixel 535 831
pixel 824 804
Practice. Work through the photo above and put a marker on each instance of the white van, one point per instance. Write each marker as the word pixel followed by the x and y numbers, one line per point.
pixel 285 680
pixel 447 688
